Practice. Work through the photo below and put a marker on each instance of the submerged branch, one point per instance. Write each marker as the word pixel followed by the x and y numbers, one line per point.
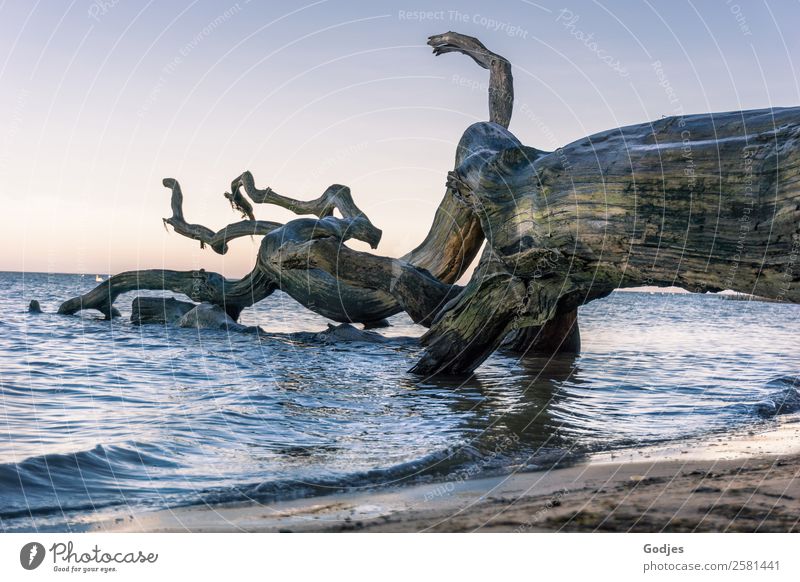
pixel 199 286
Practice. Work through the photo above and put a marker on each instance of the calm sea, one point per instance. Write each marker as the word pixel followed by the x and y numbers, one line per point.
pixel 101 419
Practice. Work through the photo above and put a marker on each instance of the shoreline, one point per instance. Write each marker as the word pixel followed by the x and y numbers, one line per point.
pixel 743 482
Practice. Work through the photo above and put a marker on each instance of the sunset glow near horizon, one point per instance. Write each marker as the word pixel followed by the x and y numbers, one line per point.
pixel 102 100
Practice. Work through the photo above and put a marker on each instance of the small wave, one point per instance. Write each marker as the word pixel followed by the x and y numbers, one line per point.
pixel 785 399
pixel 451 464
pixel 59 482
pixel 437 465
pixel 109 475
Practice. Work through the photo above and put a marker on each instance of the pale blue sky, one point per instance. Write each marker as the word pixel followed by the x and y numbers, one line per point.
pixel 101 100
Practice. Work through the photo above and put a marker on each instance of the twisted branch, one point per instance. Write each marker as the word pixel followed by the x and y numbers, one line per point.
pixel 218 241
pixel 335 197
pixel 501 82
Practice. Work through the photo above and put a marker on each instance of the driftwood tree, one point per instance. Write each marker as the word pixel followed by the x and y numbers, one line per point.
pixel 705 202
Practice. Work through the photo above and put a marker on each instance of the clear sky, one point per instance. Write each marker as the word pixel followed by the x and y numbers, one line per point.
pixel 102 99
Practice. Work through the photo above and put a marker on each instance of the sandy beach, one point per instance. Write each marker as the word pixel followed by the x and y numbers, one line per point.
pixel 744 482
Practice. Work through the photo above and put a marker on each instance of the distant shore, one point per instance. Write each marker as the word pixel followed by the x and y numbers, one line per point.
pixel 742 482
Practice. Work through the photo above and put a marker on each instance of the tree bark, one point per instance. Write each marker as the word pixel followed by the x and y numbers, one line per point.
pixel 455 237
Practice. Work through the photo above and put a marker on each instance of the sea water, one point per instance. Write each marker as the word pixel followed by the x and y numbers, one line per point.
pixel 101 419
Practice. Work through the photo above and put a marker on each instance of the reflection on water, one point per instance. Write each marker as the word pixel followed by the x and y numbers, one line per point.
pixel 103 417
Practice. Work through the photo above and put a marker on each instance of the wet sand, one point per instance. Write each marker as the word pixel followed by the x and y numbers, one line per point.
pixel 745 482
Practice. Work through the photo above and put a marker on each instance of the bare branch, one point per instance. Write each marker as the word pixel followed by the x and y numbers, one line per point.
pixel 336 197
pixel 501 82
pixel 218 241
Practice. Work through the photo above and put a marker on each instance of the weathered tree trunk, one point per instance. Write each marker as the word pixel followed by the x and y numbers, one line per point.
pixel 705 202
pixel 450 247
